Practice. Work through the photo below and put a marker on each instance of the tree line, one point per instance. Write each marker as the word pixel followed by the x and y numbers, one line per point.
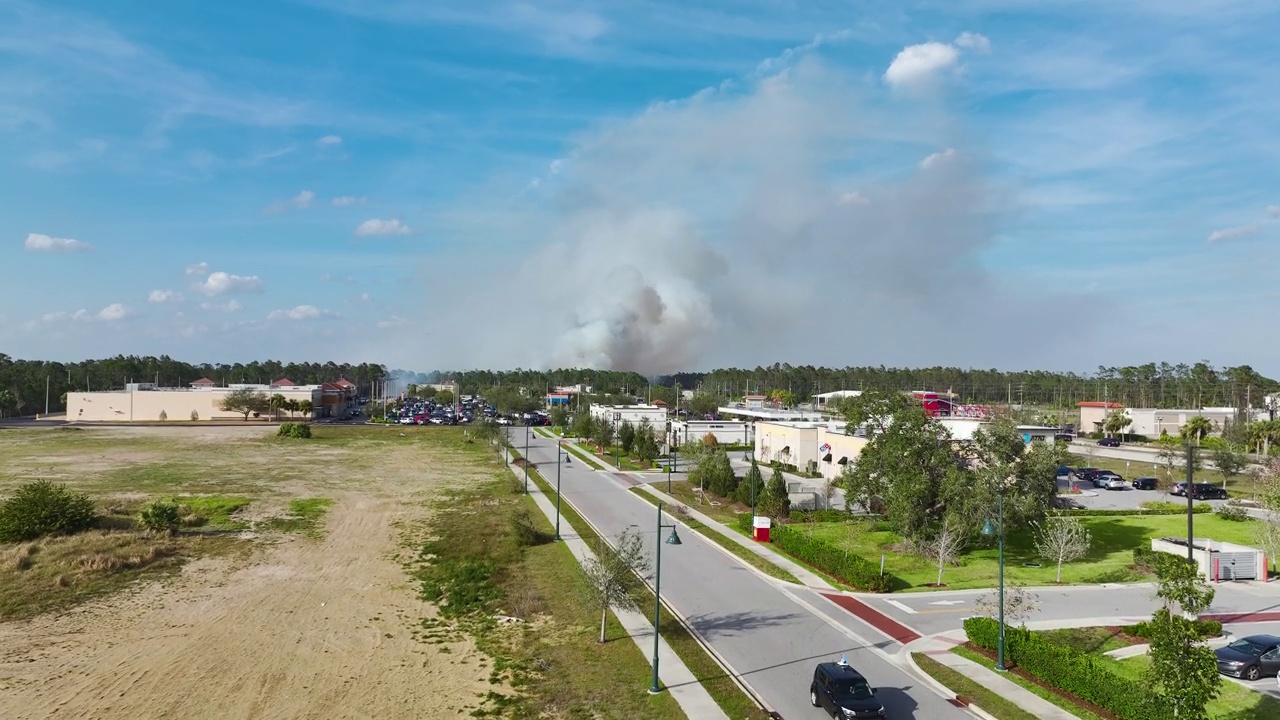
pixel 23 383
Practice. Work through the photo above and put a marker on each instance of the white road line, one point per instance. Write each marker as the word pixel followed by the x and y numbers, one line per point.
pixel 901 607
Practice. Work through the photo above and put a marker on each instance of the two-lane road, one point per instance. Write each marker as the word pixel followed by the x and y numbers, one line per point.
pixel 769 634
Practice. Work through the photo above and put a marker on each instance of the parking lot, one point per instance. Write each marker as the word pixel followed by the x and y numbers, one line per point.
pixel 1127 499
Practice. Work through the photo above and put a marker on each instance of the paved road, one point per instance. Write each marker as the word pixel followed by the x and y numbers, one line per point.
pixel 770 635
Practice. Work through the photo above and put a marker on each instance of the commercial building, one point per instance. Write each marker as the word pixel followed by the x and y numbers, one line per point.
pixel 201 401
pixel 634 414
pixel 822 400
pixel 558 398
pixel 1093 414
pixel 726 432
pixel 1153 421
pixel 820 445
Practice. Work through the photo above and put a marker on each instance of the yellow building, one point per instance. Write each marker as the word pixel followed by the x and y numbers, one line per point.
pixel 825 444
pixel 202 401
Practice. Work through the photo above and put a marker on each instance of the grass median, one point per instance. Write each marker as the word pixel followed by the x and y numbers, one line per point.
pixel 971 690
pixel 738 551
pixel 722 688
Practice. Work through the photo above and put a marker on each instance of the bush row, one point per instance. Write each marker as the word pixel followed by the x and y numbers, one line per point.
pixel 1095 512
pixel 852 569
pixel 1080 674
pixel 1205 628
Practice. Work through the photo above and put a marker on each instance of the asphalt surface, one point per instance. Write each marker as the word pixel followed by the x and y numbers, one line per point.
pixel 771 635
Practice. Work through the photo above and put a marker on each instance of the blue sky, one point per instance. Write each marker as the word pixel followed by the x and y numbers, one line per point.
pixel 642 184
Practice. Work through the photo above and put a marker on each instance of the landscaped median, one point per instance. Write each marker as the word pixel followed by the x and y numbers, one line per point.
pixel 970 690
pixel 714 678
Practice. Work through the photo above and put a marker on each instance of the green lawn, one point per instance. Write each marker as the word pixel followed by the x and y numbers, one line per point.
pixel 1109 560
pixel 1026 684
pixel 1234 703
pixel 991 703
pixel 582 455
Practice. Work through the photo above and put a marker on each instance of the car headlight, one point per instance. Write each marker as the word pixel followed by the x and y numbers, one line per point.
pixel 1234 663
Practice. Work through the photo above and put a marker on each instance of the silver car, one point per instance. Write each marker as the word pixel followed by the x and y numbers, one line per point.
pixel 1115 483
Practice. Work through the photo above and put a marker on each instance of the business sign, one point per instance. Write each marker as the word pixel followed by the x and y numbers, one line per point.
pixel 617 416
pixel 824 449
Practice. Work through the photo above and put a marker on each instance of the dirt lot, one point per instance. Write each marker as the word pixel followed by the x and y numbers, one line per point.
pixel 293 628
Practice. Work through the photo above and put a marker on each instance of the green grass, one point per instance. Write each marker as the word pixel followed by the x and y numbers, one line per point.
pixel 305 516
pixel 1234 703
pixel 990 702
pixel 1026 684
pixel 752 559
pixel 722 688
pixel 1097 640
pixel 214 511
pixel 1109 558
pixel 582 455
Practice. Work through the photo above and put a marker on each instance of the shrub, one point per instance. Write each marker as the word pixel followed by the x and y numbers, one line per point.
pixel 1232 512
pixel 294 430
pixel 161 516
pixel 525 531
pixel 163 416
pixel 1145 558
pixel 1080 674
pixel 852 569
pixel 820 515
pixel 41 508
pixel 1204 628
pixel 194 416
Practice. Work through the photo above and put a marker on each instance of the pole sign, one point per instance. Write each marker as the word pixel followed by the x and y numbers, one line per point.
pixel 617 416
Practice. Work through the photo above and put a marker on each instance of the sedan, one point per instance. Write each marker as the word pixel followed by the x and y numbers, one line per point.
pixel 1109 442
pixel 1250 657
pixel 1179 488
pixel 1145 483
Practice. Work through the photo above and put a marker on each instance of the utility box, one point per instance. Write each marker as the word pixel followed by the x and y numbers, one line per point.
pixel 760 528
pixel 1216 560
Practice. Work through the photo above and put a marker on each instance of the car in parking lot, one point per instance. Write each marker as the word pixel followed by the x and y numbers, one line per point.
pixel 1205 491
pixel 1250 657
pixel 1115 482
pixel 1179 489
pixel 843 692
pixel 1103 479
pixel 1145 483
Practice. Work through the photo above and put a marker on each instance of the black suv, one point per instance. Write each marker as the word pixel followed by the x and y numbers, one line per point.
pixel 1109 442
pixel 843 692
pixel 1205 491
pixel 1145 483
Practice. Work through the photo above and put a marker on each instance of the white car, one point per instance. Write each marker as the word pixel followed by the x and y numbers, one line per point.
pixel 1116 483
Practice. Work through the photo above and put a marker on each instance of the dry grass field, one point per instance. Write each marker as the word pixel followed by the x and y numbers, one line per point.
pixel 284 595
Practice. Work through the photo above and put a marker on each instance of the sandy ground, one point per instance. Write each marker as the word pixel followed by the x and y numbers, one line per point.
pixel 303 629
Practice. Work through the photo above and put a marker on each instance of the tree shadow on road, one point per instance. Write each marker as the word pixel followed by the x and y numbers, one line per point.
pixel 730 624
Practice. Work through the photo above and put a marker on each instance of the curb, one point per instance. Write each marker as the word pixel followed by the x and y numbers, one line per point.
pixel 946 691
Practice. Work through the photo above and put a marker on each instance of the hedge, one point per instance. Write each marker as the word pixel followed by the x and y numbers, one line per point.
pixel 821 515
pixel 852 569
pixel 1095 512
pixel 1085 676
pixel 1204 628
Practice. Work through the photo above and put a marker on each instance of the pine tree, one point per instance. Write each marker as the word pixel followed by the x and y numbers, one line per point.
pixel 776 504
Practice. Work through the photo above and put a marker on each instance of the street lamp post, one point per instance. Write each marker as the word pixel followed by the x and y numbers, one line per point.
pixel 1190 493
pixel 988 530
pixel 526 459
pixel 558 451
pixel 672 539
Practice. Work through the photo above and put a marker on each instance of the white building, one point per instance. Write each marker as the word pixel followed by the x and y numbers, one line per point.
pixel 726 432
pixel 1152 421
pixel 805 444
pixel 657 416
pixel 822 400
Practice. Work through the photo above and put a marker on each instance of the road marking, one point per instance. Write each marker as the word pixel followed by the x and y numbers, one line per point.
pixel 901 607
pixel 947 602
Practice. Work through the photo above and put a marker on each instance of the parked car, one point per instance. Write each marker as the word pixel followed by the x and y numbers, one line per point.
pixel 1064 471
pixel 1109 442
pixel 843 692
pixel 1250 657
pixel 1086 474
pixel 1116 483
pixel 1145 483
pixel 1063 437
pixel 1104 478
pixel 1205 491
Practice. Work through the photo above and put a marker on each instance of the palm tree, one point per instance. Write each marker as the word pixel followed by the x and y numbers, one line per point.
pixel 1116 423
pixel 277 403
pixel 306 408
pixel 1197 428
pixel 292 406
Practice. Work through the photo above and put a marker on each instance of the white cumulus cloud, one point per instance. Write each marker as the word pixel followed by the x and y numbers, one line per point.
pixel 345 200
pixel 301 312
pixel 974 41
pixel 1232 233
pixel 113 312
pixel 917 65
pixel 37 242
pixel 303 199
pixel 382 227
pixel 163 296
pixel 221 283
pixel 329 141
pixel 853 197
pixel 227 307
pixel 200 269
pixel 936 158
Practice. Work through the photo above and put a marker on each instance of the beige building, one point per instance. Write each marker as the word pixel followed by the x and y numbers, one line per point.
pixel 800 443
pixel 633 414
pixel 202 401
pixel 1094 414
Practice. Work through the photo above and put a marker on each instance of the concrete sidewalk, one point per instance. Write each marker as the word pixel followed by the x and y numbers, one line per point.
pixel 938 647
pixel 803 574
pixel 676 677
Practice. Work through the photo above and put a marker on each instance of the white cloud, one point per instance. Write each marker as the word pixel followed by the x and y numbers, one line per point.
pixel 329 141
pixel 227 307
pixel 345 200
pixel 163 296
pixel 221 283
pixel 382 227
pixel 916 65
pixel 974 41
pixel 200 269
pixel 113 312
pixel 303 199
pixel 1232 233
pixel 393 321
pixel 853 197
pixel 301 312
pixel 1273 211
pixel 936 158
pixel 37 242
pixel 774 64
pixel 365 297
